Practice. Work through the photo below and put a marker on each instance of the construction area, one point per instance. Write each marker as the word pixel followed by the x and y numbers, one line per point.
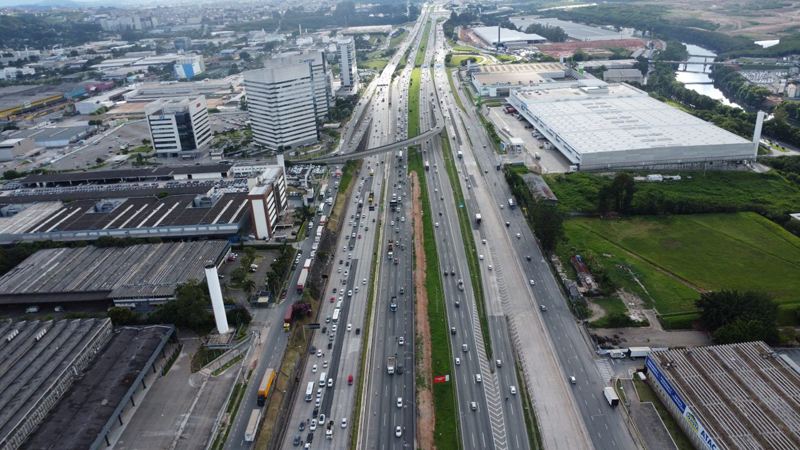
pixel 137 276
pixel 730 396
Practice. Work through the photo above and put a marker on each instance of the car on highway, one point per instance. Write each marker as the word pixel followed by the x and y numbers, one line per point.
pixel 572 380
pixel 464 348
pixel 490 267
pixel 478 378
pixel 344 422
pixel 473 406
pixel 313 425
pixel 349 327
pixel 297 438
pixel 543 308
pixel 452 331
pixel 399 402
pixel 314 368
pixel 350 293
pixel 350 380
pixel 398 431
pixel 480 257
pixel 401 341
pixel 330 382
pixel 325 364
pixel 319 353
pixel 513 390
pixel 458 361
pixel 302 426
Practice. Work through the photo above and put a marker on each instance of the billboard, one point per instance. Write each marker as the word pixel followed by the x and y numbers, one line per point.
pixel 683 408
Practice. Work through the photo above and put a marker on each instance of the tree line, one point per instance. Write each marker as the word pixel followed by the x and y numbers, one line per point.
pixel 733 84
pixel 552 34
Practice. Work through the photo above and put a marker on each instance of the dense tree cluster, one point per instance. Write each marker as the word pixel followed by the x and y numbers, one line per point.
pixel 546 220
pixel 734 316
pixel 733 84
pixel 552 34
pixel 36 31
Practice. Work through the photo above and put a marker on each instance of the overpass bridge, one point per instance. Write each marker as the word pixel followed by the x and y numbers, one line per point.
pixel 335 159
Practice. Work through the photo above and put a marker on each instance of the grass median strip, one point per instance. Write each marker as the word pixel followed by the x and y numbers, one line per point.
pixel 469 245
pixel 453 89
pixel 419 60
pixel 446 432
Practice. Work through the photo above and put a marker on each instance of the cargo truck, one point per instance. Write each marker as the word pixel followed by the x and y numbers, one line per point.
pixel 511 203
pixel 266 384
pixel 639 352
pixel 252 426
pixel 460 154
pixel 287 319
pixel 390 249
pixel 427 166
pixel 611 396
pixel 301 282
pixel 477 218
pixel 390 365
pixel 329 430
pixel 307 263
pixel 319 231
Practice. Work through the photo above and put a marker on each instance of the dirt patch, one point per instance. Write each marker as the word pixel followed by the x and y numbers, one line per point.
pixel 597 311
pixel 426 421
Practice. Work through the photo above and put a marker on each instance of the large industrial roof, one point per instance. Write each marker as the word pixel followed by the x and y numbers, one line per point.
pixel 29 365
pixel 97 176
pixel 129 213
pixel 574 30
pixel 742 395
pixel 535 73
pixel 489 35
pixel 618 117
pixel 93 273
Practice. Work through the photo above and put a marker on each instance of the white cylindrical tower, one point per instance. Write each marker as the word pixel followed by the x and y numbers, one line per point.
pixel 212 278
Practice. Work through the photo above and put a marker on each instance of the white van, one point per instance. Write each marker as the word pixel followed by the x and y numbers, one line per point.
pixel 323 378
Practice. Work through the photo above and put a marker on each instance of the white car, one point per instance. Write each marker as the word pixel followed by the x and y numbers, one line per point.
pixel 344 422
pixel 483 241
pixel 325 364
pixel 401 341
pixel 458 361
pixel 350 293
pixel 364 281
pixel 519 235
pixel 478 378
pixel 399 402
pixel 532 282
pixel 319 353
pixel 480 257
pixel 349 326
pixel 333 328
pixel 490 267
pixel 314 368
pixel 398 431
pixel 513 390
pixel 313 425
pixel 437 224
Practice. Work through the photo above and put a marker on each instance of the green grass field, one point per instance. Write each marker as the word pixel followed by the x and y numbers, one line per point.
pixel 413 104
pixel 742 251
pixel 771 191
pixel 455 60
pixel 375 64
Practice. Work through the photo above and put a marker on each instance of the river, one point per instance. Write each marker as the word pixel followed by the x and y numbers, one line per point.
pixel 697 78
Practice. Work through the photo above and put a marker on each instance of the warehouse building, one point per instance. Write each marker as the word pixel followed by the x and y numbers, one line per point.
pixel 52 137
pixel 139 276
pixel 576 31
pixel 494 36
pixel 188 67
pixel 623 76
pixel 68 383
pixel 730 396
pixel 14 148
pixel 497 80
pixel 618 127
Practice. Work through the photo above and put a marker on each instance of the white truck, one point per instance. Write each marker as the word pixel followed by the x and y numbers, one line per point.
pixel 611 396
pixel 390 365
pixel 252 426
pixel 478 218
pixel 639 352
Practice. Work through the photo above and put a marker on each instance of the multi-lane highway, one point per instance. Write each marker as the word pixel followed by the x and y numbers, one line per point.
pixel 569 415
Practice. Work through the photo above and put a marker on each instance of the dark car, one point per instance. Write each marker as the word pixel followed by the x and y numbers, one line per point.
pixel 399 368
pixel 310 437
pixel 302 426
pixel 313 349
pixel 315 413
pixel 324 330
pixel 296 440
pixel 358 330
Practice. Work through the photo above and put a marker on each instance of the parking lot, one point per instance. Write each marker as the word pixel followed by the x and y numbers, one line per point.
pixel 551 160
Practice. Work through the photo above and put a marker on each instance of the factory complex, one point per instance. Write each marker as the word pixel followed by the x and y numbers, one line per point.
pixel 618 127
pixel 139 276
pixel 730 396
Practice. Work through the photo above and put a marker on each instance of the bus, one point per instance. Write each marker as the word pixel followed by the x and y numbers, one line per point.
pixel 309 391
pixel 266 384
pixel 323 190
pixel 335 317
pixel 321 209
pixel 323 220
pixel 252 426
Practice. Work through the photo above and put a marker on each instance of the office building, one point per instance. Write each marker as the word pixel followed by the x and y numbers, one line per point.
pixel 186 68
pixel 178 127
pixel 267 200
pixel 287 99
pixel 348 63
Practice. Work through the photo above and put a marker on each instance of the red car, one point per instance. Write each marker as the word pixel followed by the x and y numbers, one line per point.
pixel 283 294
pixel 359 235
pixel 231 258
pixel 333 299
pixel 350 380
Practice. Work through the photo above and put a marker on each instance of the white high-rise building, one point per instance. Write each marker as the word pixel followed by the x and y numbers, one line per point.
pixel 287 99
pixel 348 63
pixel 179 127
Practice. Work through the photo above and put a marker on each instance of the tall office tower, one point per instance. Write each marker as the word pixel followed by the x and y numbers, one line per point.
pixel 348 63
pixel 179 126
pixel 287 99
